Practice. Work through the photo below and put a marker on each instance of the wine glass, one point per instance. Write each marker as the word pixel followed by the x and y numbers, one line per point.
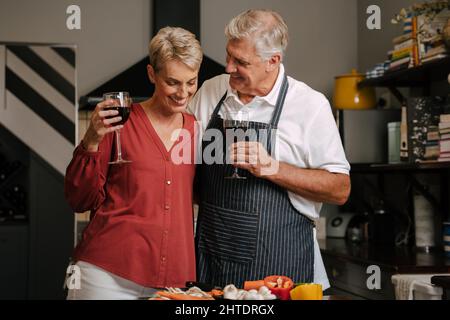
pixel 233 121
pixel 122 103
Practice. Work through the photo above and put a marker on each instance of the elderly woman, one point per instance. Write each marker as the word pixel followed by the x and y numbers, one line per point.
pixel 141 229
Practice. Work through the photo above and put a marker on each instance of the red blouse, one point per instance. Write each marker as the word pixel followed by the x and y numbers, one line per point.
pixel 141 224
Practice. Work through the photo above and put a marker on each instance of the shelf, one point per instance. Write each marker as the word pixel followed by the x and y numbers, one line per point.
pixel 386 167
pixel 19 167
pixel 421 75
pixel 14 223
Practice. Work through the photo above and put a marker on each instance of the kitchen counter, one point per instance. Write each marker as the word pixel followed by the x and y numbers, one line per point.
pixel 347 265
pixel 394 259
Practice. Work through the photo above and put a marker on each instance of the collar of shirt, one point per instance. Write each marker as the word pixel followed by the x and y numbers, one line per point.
pixel 270 98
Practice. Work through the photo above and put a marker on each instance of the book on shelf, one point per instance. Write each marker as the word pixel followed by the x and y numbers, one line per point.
pixel 433 135
pixel 434 51
pixel 430 40
pixel 432 143
pixel 400 57
pixel 428 161
pixel 444 146
pixel 403 45
pixel 402 38
pixel 400 63
pixel 445 136
pixel 406 48
pixel 433 39
pixel 435 57
pixel 421 43
pixel 399 54
pixel 445 117
pixel 444 157
pixel 408 26
pixel 422 114
pixel 431 152
pixel 444 125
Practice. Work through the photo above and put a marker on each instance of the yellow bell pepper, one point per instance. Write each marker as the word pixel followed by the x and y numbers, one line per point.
pixel 307 291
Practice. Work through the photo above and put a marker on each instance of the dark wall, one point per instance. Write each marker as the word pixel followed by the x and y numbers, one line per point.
pixel 175 13
pixel 51 231
pixel 34 249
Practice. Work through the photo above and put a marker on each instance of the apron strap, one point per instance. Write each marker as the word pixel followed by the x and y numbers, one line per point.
pixel 217 109
pixel 280 102
pixel 275 117
pixel 277 113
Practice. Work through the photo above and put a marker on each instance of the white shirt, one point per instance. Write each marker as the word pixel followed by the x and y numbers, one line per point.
pixel 307 136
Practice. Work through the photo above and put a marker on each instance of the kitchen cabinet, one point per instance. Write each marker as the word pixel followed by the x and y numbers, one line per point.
pixel 421 77
pixel 14 261
pixel 350 278
pixel 35 247
pixel 347 265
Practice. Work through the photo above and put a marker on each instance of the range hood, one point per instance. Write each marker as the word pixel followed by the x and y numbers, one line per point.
pixel 185 14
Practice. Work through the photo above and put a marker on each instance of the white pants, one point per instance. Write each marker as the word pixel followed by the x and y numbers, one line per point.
pixel 99 284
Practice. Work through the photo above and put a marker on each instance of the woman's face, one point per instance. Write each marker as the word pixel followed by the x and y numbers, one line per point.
pixel 175 84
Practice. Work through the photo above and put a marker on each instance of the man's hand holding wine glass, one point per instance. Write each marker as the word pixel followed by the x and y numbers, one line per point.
pixel 252 156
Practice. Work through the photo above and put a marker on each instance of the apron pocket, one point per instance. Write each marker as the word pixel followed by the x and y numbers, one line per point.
pixel 228 234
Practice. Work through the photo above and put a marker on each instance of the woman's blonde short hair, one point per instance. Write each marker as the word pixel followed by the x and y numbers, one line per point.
pixel 266 28
pixel 175 43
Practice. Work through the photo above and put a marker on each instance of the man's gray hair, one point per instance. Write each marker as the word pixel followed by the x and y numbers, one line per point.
pixel 266 28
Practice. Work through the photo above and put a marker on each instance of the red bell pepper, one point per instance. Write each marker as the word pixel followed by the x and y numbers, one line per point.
pixel 279 286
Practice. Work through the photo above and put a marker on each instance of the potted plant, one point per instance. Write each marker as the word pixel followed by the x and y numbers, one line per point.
pixel 429 10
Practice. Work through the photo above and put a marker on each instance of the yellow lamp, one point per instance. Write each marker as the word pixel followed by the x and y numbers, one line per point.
pixel 348 96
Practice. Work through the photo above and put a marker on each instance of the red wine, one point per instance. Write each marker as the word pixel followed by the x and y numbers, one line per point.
pixel 235 124
pixel 124 112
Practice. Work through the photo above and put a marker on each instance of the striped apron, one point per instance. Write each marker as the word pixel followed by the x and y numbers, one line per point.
pixel 248 229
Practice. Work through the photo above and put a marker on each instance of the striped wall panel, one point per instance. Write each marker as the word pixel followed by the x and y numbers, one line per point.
pixel 39 99
pixel 2 77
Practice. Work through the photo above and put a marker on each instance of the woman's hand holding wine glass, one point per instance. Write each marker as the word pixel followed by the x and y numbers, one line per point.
pixel 109 115
pixel 102 122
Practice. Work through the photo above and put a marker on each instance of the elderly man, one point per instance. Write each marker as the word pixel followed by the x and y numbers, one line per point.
pixel 263 225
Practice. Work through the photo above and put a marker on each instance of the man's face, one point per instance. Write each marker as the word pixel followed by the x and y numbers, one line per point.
pixel 247 70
